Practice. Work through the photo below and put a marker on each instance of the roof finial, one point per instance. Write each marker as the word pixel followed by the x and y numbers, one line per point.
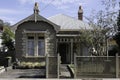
pixel 36 10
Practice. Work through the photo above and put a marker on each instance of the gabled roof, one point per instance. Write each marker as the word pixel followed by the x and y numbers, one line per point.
pixel 69 23
pixel 35 17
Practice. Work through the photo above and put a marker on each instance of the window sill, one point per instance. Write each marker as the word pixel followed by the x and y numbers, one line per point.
pixel 34 56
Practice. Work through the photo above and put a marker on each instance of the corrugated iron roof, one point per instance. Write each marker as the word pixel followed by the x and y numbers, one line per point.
pixel 69 23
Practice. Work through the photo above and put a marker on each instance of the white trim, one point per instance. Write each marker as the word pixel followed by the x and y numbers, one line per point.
pixel 35 35
pixel 95 56
pixel 67 35
pixel 45 44
pixel 69 30
pixel 34 56
pixel 34 32
pixel 26 41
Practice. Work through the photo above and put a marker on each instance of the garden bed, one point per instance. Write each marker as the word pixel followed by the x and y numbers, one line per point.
pixel 30 65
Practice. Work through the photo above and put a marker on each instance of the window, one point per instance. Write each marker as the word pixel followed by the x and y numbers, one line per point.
pixel 41 46
pixel 41 49
pixel 30 46
pixel 35 45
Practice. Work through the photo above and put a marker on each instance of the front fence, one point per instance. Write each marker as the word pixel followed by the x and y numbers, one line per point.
pixel 118 66
pixel 96 66
pixel 52 66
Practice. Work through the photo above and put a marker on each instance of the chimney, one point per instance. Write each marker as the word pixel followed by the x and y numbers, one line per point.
pixel 80 13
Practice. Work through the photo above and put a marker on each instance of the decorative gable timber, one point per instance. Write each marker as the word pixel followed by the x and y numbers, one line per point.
pixel 36 17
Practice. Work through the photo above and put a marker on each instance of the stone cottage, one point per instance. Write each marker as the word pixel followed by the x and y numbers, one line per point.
pixel 36 36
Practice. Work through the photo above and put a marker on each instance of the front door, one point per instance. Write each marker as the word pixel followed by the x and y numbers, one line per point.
pixel 63 49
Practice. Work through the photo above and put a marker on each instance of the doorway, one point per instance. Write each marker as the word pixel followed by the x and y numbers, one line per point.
pixel 64 50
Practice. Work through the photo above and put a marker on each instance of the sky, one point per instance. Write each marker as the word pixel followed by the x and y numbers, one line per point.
pixel 13 11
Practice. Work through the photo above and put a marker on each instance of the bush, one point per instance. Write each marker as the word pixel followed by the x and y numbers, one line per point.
pixel 31 65
pixel 113 51
pixel 5 61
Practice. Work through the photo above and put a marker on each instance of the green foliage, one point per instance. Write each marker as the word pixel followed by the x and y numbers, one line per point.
pixel 86 37
pixel 118 21
pixel 32 65
pixel 7 38
pixel 113 50
pixel 117 36
pixel 96 37
pixel 105 21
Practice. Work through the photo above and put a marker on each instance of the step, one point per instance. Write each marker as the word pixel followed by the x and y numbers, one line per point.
pixel 2 69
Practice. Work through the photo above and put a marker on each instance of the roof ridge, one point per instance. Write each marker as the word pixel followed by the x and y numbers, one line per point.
pixel 75 19
pixel 55 15
pixel 68 22
pixel 67 17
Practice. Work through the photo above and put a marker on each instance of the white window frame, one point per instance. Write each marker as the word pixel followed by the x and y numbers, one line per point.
pixel 36 39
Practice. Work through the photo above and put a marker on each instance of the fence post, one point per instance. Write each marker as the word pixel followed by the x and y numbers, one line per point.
pixel 75 65
pixel 117 65
pixel 58 56
pixel 47 65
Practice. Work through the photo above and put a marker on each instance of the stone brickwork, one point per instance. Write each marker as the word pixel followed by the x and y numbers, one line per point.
pixel 20 37
pixel 50 45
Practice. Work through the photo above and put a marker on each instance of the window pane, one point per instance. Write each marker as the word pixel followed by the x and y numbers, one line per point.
pixel 31 47
pixel 41 48
pixel 40 38
pixel 30 37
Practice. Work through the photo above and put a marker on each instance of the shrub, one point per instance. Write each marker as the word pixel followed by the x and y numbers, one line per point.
pixel 31 65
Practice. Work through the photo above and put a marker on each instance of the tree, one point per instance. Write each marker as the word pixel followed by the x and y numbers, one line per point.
pixel 104 26
pixel 85 37
pixel 8 37
pixel 106 19
pixel 117 36
pixel 1 25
